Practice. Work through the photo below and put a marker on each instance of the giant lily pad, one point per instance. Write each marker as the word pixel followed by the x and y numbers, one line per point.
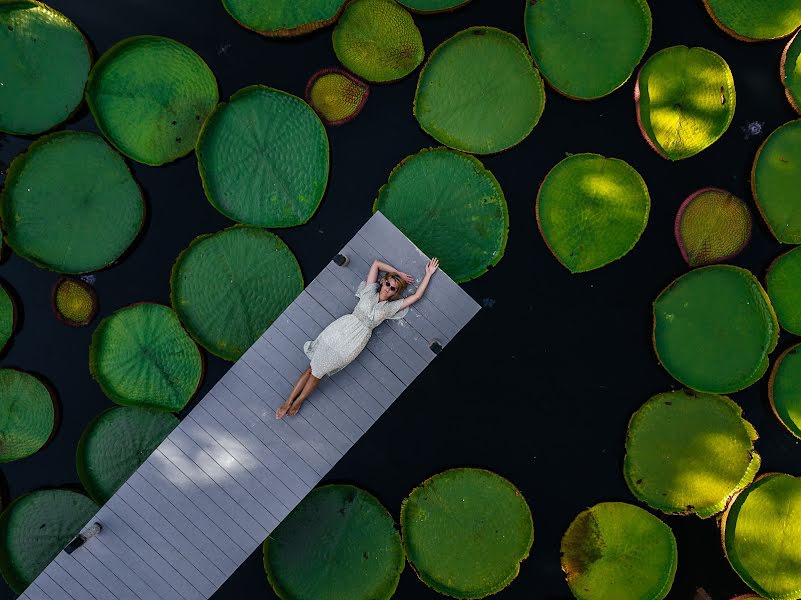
pixel 228 287
pixel 466 531
pixel 70 203
pixel 339 542
pixel 714 328
pixel 150 96
pixel 35 527
pixel 115 444
pixel 432 6
pixel 685 100
pixel 784 389
pixel 774 182
pixel 761 533
pixel 451 207
pixel 617 550
pixel 748 20
pixel 791 72
pixel 689 453
pixel 263 158
pixel 469 81
pixel 282 18
pixel 587 50
pixel 8 316
pixel 141 356
pixel 784 289
pixel 336 95
pixel 44 63
pixel 74 301
pixel 378 40
pixel 27 414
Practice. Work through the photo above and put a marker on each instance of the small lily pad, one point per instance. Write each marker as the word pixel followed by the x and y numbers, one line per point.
pixel 432 6
pixel 74 301
pixel 748 20
pixel 472 78
pixel 587 50
pixel 714 328
pixel 591 210
pixel 617 550
pixel 27 414
pixel 712 226
pixel 141 356
pixel 761 533
pixel 149 96
pixel 685 100
pixel 284 18
pixel 339 542
pixel 689 453
pixel 784 389
pixel 791 72
pixel 466 531
pixel 8 315
pixel 336 95
pixel 784 289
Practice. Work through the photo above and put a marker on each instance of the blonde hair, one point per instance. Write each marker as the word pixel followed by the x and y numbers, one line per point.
pixel 401 284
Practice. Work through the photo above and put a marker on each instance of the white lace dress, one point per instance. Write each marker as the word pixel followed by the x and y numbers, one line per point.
pixel 342 341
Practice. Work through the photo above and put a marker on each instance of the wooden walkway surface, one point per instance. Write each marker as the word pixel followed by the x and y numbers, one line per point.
pixel 230 472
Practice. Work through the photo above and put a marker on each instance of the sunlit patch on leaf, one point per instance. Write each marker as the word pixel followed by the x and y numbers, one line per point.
pixel 74 301
pixel 27 414
pixel 750 20
pixel 336 95
pixel 284 18
pixel 791 72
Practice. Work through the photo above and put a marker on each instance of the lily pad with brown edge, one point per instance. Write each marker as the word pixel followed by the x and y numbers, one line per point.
pixel 35 527
pixel 791 72
pixel 263 158
pixel 74 301
pixel 784 389
pixel 468 81
pixel 228 287
pixel 761 534
pixel 378 40
pixel 591 210
pixel 685 100
pixel 466 531
pixel 689 453
pixel 712 226
pixel 432 6
pixel 149 96
pixel 115 444
pixel 774 182
pixel 339 542
pixel 751 21
pixel 141 356
pixel 27 414
pixel 8 315
pixel 284 18
pixel 466 226
pixel 336 95
pixel 70 203
pixel 44 63
pixel 784 289
pixel 618 550
pixel 587 50
pixel 714 328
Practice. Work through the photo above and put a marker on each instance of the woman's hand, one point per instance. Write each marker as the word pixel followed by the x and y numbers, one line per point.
pixel 406 278
pixel 432 266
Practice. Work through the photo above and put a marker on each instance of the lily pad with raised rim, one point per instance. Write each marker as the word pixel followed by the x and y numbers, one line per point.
pixel 336 95
pixel 784 389
pixel 74 302
pixel 8 315
pixel 27 414
pixel 284 18
pixel 784 289
pixel 791 72
pixel 432 6
pixel 748 20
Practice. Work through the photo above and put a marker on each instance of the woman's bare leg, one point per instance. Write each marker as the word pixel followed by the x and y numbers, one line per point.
pixel 299 385
pixel 311 384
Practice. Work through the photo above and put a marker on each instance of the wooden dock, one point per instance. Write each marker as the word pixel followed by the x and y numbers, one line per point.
pixel 217 486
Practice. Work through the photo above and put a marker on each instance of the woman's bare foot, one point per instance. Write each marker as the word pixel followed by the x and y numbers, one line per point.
pixel 293 410
pixel 283 409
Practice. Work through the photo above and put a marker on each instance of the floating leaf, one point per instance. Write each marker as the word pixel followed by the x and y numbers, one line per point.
pixel 791 72
pixel 685 100
pixel 617 550
pixel 432 6
pixel 44 63
pixel 748 20
pixel 472 78
pixel 74 301
pixel 8 316
pixel 587 50
pixel 70 203
pixel 283 18
pixel 466 531
pixel 784 289
pixel 451 207
pixel 784 389
pixel 27 414
pixel 339 542
pixel 336 95
pixel 149 96
pixel 714 328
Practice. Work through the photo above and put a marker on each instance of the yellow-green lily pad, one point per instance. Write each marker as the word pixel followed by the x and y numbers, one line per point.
pixel 752 20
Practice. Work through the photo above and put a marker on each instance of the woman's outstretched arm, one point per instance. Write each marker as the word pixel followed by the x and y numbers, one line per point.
pixel 372 274
pixel 432 266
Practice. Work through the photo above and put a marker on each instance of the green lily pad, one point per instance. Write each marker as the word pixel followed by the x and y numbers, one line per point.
pixel 115 444
pixel 284 18
pixel 791 72
pixel 141 356
pixel 466 531
pixel 35 527
pixel 8 316
pixel 44 63
pixel 774 182
pixel 617 550
pixel 149 96
pixel 685 100
pixel 466 227
pixel 689 453
pixel 378 40
pixel 70 203
pixel 712 226
pixel 714 328
pixel 762 536
pixel 74 302
pixel 591 210
pixel 339 542
pixel 784 289
pixel 784 389
pixel 228 287
pixel 263 158
pixel 336 95
pixel 27 414
pixel 472 78
pixel 587 50
pixel 432 6
pixel 750 21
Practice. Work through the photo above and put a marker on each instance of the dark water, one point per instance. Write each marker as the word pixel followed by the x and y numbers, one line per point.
pixel 540 386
